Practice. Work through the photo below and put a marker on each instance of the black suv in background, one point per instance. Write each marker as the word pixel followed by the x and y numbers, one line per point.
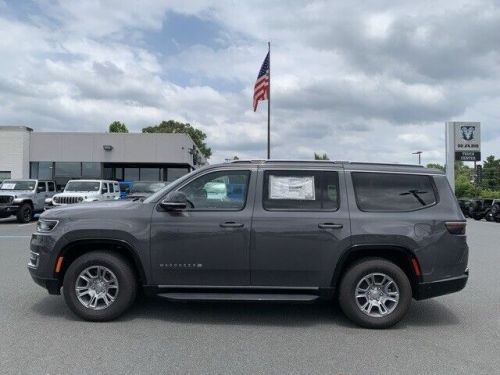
pixel 373 236
pixel 479 208
pixel 493 213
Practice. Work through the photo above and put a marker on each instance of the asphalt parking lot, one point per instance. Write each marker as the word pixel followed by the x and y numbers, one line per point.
pixel 457 334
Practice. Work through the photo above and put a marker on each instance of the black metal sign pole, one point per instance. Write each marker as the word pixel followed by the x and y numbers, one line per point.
pixel 269 107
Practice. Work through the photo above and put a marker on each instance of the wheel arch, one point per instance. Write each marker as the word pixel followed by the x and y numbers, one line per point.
pixel 77 248
pixel 401 256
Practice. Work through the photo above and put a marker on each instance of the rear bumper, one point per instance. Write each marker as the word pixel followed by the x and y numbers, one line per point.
pixel 441 287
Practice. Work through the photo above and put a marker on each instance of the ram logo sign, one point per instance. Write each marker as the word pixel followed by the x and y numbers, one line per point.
pixel 468 132
pixel 467 141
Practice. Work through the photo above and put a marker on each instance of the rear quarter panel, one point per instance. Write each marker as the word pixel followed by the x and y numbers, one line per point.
pixel 422 232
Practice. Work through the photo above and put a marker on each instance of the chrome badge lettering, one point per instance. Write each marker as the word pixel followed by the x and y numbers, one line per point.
pixel 181 265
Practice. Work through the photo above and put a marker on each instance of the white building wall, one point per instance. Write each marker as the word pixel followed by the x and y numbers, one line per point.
pixel 15 150
pixel 127 147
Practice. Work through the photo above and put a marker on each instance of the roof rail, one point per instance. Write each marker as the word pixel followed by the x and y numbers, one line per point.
pixel 263 161
pixel 387 164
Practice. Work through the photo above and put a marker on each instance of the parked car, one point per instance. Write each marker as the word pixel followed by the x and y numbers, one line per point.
pixel 489 214
pixel 373 236
pixel 79 191
pixel 464 204
pixel 478 208
pixel 495 210
pixel 125 187
pixel 23 198
pixel 143 189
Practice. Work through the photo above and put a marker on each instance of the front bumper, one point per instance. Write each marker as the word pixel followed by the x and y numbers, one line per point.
pixel 441 287
pixel 53 286
pixel 8 210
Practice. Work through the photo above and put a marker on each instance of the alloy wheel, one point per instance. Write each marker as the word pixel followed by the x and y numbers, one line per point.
pixel 377 295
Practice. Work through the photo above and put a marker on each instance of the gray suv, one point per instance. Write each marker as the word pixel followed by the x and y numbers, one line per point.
pixel 24 197
pixel 373 236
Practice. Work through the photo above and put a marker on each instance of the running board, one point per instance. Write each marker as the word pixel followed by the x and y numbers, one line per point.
pixel 263 297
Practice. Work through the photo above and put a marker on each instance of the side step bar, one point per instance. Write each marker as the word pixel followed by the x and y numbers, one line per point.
pixel 263 297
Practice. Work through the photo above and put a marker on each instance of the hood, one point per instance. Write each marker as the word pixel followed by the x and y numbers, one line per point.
pixel 77 194
pixel 10 192
pixel 91 209
pixel 138 195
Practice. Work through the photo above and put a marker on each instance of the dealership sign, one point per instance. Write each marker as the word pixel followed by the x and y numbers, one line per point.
pixel 467 141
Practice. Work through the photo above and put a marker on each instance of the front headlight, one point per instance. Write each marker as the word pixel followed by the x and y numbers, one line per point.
pixel 45 226
pixel 80 199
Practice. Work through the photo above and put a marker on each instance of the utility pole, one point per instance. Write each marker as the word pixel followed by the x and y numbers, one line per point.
pixel 419 153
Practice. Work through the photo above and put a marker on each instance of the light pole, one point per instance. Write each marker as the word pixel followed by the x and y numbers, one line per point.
pixel 419 153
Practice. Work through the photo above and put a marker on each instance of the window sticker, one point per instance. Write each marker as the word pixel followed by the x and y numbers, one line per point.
pixel 295 188
pixel 8 186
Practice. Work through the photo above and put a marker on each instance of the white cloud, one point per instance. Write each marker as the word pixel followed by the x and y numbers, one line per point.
pixel 371 81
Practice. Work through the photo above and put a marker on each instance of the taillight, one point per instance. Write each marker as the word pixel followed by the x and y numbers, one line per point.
pixel 456 227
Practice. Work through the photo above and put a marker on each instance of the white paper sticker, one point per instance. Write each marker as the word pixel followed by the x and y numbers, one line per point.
pixel 295 188
pixel 8 186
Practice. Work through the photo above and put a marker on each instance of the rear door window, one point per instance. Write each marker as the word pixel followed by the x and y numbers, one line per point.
pixel 300 190
pixel 392 191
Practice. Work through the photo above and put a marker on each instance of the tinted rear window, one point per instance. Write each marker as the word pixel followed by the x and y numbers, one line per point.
pixel 393 192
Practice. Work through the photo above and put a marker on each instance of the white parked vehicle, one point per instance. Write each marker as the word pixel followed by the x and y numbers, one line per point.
pixel 80 191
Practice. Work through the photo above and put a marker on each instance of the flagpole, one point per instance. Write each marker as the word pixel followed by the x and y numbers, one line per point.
pixel 269 107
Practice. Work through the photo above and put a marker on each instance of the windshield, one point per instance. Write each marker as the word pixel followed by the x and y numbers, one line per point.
pixel 82 186
pixel 17 185
pixel 147 187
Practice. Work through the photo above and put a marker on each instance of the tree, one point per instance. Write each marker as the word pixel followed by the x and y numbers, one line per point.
pixel 491 173
pixel 321 157
pixel 118 127
pixel 435 166
pixel 172 126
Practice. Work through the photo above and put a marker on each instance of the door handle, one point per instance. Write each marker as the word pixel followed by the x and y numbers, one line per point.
pixel 330 226
pixel 231 224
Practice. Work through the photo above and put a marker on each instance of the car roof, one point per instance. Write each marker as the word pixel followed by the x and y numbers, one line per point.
pixel 346 165
pixel 93 180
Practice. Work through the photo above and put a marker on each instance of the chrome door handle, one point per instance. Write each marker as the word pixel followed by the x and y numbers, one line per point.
pixel 231 224
pixel 330 226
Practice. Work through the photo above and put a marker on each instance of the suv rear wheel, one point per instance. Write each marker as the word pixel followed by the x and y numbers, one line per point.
pixel 375 293
pixel 99 286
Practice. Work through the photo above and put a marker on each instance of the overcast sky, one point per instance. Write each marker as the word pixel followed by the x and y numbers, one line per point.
pixel 369 80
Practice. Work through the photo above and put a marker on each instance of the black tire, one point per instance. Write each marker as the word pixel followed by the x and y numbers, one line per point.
pixel 489 216
pixel 25 213
pixel 126 280
pixel 355 273
pixel 495 209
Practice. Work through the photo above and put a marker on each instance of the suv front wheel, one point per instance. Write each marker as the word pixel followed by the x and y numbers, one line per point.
pixel 99 286
pixel 375 293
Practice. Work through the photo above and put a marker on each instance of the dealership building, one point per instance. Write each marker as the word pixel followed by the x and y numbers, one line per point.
pixel 61 156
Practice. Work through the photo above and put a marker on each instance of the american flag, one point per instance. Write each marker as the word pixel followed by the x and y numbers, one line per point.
pixel 261 89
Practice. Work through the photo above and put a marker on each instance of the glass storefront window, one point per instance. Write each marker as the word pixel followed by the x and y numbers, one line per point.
pixel 131 174
pixel 108 173
pixel 91 170
pixel 4 175
pixel 68 169
pixel 173 174
pixel 45 169
pixel 150 174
